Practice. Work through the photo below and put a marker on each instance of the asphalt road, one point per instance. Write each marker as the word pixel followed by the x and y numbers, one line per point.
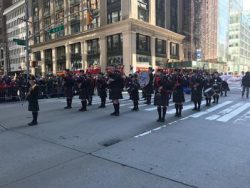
pixel 207 149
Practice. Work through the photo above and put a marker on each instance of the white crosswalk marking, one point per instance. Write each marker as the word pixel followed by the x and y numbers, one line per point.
pixel 154 108
pixel 188 107
pixel 234 113
pixel 224 112
pixel 211 109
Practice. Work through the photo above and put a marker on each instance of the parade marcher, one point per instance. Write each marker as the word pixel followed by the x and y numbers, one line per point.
pixel 224 88
pixel 208 89
pixel 115 84
pixel 178 92
pixel 102 89
pixel 32 98
pixel 162 97
pixel 196 90
pixel 133 89
pixel 217 87
pixel 68 84
pixel 91 88
pixel 83 85
pixel 246 84
pixel 148 89
pixel 156 85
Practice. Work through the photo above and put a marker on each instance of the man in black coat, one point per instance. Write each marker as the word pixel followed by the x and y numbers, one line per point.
pixel 83 85
pixel 165 87
pixel 101 86
pixel 217 81
pixel 178 92
pixel 68 84
pixel 196 90
pixel 246 84
pixel 115 84
pixel 133 89
pixel 32 98
pixel 149 89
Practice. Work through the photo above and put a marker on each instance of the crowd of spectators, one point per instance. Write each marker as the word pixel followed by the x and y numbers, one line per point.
pixel 14 88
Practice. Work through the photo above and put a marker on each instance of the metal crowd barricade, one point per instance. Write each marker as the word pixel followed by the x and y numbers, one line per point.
pixel 9 93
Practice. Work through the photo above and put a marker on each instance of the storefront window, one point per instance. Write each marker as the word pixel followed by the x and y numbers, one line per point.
pixel 143 44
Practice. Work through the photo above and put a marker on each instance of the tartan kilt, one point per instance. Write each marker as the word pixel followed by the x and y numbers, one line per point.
pixel 161 99
pixel 115 93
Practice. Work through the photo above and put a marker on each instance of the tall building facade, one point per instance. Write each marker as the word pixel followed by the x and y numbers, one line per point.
pixel 3 45
pixel 93 34
pixel 209 32
pixel 15 28
pixel 239 38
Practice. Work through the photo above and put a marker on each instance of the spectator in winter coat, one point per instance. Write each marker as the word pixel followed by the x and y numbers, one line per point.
pixel 246 84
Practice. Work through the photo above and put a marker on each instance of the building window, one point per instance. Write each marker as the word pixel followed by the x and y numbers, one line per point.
pixel 37 56
pixel 114 42
pixel 61 58
pixel 59 5
pixel 174 15
pixel 93 46
pixel 143 10
pixel 46 7
pixel 143 44
pixel 160 49
pixel 93 57
pixel 93 18
pixel 75 19
pixel 174 50
pixel 113 11
pixel 114 16
pixel 115 50
pixel 76 57
pixel 160 13
pixel 48 61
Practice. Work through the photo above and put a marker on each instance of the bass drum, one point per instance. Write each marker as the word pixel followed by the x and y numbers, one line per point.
pixel 143 79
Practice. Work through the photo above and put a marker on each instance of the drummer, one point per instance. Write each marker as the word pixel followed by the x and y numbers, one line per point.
pixel 217 87
pixel 208 90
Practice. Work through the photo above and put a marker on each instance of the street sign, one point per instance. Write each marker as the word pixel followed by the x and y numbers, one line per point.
pixel 56 29
pixel 20 42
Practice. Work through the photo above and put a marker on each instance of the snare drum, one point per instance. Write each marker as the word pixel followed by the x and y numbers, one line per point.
pixel 209 92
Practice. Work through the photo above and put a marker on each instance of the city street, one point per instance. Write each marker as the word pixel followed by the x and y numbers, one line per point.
pixel 207 149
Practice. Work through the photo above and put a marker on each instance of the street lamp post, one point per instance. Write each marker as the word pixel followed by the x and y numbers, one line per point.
pixel 27 39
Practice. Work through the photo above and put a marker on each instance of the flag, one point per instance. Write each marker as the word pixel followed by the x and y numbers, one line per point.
pixel 90 17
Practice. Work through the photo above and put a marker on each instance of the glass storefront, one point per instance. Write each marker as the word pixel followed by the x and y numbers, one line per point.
pixel 76 57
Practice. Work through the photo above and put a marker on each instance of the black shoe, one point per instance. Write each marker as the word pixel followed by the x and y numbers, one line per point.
pixel 194 109
pixel 158 120
pixel 102 106
pixel 162 120
pixel 32 123
pixel 80 110
pixel 67 107
pixel 198 109
pixel 113 114
pixel 176 115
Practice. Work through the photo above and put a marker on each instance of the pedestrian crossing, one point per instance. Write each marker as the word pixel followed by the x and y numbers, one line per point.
pixel 237 112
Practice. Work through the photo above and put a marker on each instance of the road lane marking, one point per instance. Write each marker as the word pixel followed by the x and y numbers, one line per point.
pixel 224 112
pixel 234 113
pixel 199 114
